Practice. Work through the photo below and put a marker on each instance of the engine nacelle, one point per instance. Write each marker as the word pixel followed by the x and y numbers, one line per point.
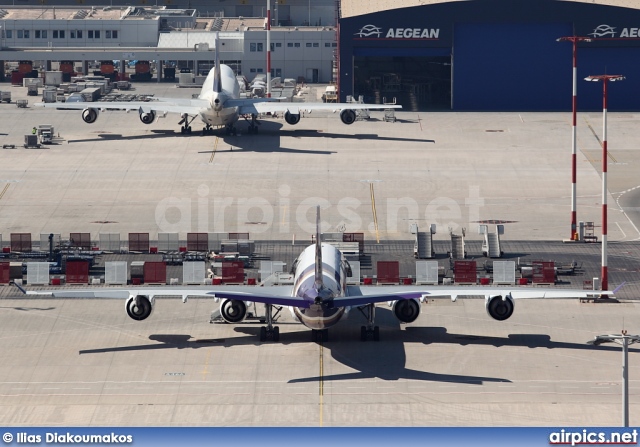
pixel 140 307
pixel 90 116
pixel 233 311
pixel 148 117
pixel 407 311
pixel 348 116
pixel 500 308
pixel 291 118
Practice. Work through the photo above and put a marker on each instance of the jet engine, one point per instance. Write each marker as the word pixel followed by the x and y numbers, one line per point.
pixel 291 118
pixel 147 117
pixel 348 116
pixel 90 116
pixel 233 311
pixel 140 307
pixel 499 308
pixel 406 311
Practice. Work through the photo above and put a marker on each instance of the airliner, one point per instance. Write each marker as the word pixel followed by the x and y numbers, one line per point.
pixel 320 297
pixel 219 104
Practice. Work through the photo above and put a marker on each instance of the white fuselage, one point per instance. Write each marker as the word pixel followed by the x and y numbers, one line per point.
pixel 217 114
pixel 320 315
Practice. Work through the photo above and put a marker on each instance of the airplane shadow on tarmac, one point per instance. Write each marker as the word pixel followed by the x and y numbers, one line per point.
pixel 385 359
pixel 266 141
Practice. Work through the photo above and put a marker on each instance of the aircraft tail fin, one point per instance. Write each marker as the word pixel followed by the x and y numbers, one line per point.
pixel 217 76
pixel 318 281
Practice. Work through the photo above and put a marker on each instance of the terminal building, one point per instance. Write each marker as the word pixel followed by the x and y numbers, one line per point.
pixel 495 55
pixel 181 37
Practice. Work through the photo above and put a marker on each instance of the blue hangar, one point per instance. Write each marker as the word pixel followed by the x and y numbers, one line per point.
pixel 493 55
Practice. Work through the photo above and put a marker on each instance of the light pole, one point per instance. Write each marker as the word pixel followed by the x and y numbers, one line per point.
pixel 605 81
pixel 624 340
pixel 268 48
pixel 574 104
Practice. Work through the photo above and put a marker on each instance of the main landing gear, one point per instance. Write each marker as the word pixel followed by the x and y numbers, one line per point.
pixel 186 124
pixel 270 332
pixel 253 125
pixel 369 331
pixel 207 130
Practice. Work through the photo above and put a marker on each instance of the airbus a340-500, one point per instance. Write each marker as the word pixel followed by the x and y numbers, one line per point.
pixel 219 104
pixel 320 297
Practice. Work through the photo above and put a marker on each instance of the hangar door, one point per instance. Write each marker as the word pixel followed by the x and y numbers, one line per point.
pixel 419 78
pixel 511 66
pixel 624 95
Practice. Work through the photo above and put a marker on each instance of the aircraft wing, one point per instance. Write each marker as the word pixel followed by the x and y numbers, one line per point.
pixel 160 105
pixel 276 295
pixel 361 295
pixel 252 106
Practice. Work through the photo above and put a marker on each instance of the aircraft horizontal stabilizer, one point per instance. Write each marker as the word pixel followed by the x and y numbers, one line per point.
pixel 262 298
pixel 361 300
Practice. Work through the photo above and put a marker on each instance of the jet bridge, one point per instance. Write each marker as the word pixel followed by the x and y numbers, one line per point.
pixel 491 242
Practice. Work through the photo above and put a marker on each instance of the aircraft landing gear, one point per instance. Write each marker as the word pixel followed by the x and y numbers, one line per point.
pixel 319 336
pixel 253 125
pixel 207 130
pixel 186 124
pixel 369 331
pixel 269 332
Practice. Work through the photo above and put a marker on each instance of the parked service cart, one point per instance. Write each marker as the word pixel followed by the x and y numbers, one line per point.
pixel 31 141
pixel 5 97
pixel 22 103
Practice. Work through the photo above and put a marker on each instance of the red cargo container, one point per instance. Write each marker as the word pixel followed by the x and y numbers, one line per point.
pixel 106 67
pixel 142 67
pixel 4 272
pixel 25 67
pixel 139 242
pixel 16 78
pixel 155 272
pixel 197 241
pixel 77 272
pixel 388 272
pixel 80 240
pixel 66 66
pixel 544 272
pixel 21 242
pixel 233 272
pixel 464 272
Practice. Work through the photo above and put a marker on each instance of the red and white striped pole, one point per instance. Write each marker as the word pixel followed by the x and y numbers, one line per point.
pixel 605 81
pixel 268 48
pixel 574 106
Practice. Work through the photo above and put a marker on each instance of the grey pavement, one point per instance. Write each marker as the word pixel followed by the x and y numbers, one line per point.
pixel 85 363
pixel 452 169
